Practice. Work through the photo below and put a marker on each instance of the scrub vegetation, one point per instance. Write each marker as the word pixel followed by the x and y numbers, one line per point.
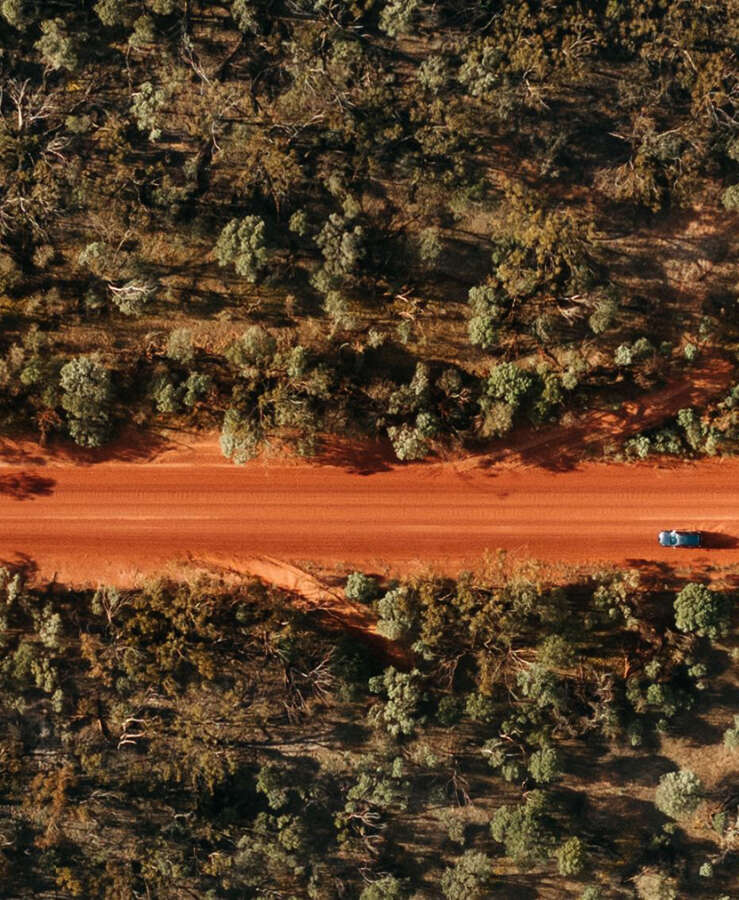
pixel 428 222
pixel 528 740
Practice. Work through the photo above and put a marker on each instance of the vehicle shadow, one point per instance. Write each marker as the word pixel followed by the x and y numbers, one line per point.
pixel 26 485
pixel 716 540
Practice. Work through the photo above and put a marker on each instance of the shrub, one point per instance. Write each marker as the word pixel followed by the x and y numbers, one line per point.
pixel 146 105
pixel 571 857
pixel 509 383
pixel 409 444
pixel 196 387
pixel 56 46
pixel 523 832
pixel 85 385
pixel 603 315
pixel 386 888
pixel 731 735
pixel 469 877
pixel 433 74
pixel 255 347
pixel 12 12
pixel 132 297
pixel 242 244
pixel 397 16
pixel 179 345
pixel 361 587
pixel 730 198
pixel 398 613
pixel 678 794
pixel 241 436
pixel 699 610
pixel 544 765
pixel 342 247
pixel 399 713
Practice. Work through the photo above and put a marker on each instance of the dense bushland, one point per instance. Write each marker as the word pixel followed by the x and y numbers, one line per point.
pixel 430 221
pixel 202 740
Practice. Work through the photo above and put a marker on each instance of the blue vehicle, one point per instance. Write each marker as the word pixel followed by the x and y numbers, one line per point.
pixel 680 538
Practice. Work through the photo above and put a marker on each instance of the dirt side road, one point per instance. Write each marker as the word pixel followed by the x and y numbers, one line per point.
pixel 114 521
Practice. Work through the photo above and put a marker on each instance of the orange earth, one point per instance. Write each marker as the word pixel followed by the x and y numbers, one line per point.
pixel 114 521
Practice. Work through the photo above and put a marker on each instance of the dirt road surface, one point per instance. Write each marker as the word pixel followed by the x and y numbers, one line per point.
pixel 114 521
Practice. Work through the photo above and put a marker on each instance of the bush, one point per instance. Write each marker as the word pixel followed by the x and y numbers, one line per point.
pixel 342 247
pixel 147 104
pixel 408 443
pixel 523 832
pixel 571 857
pixel 730 198
pixel 56 46
pixel 241 436
pixel 86 390
pixel 256 347
pixel 386 888
pixel 509 383
pixel 731 735
pixel 544 765
pixel 397 16
pixel 242 244
pixel 179 345
pixel 469 877
pixel 699 610
pixel 603 315
pixel 399 713
pixel 133 297
pixel 398 613
pixel 678 794
pixel 361 587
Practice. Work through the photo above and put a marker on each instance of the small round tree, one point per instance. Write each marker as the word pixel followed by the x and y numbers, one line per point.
pixel 242 243
pixel 361 587
pixel 544 765
pixel 571 857
pixel 469 877
pixel 699 610
pixel 386 888
pixel 86 391
pixel 679 794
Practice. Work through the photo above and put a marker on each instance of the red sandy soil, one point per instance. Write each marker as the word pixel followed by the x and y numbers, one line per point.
pixel 117 521
pixel 150 504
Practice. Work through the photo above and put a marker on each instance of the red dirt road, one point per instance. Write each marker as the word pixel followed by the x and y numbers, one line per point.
pixel 114 521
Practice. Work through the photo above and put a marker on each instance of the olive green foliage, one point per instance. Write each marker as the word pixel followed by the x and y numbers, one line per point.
pixel 146 108
pixel 242 244
pixel 679 794
pixel 731 735
pixel 86 394
pixel 361 587
pixel 402 695
pixel 700 610
pixel 55 45
pixel 469 877
pixel 241 436
pixel 409 184
pixel 524 830
pixel 571 857
pixel 299 759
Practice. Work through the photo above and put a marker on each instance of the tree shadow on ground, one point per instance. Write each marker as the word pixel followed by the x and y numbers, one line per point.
pixel 130 445
pixel 656 575
pixel 359 458
pixel 26 485
pixel 22 563
pixel 635 770
pixel 18 456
